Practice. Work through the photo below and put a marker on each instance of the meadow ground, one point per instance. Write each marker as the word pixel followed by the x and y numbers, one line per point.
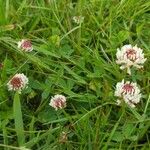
pixel 77 60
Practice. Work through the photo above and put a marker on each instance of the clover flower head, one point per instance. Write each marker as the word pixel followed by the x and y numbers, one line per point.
pixel 128 92
pixel 25 45
pixel 58 102
pixel 129 56
pixel 78 19
pixel 17 83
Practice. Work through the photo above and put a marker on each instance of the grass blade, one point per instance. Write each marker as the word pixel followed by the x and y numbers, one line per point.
pixel 18 119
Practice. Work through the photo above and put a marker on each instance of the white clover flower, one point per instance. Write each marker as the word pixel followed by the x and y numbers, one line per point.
pixel 78 19
pixel 25 45
pixel 129 56
pixel 58 101
pixel 129 92
pixel 18 82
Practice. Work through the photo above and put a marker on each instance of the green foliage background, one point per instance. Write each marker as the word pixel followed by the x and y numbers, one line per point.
pixel 77 61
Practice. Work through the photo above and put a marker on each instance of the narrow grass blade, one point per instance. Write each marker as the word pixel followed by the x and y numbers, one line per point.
pixel 18 119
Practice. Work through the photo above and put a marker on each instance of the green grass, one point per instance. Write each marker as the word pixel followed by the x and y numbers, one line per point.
pixel 77 61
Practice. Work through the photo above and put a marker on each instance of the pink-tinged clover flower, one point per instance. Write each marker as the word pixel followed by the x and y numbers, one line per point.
pixel 78 19
pixel 58 102
pixel 25 45
pixel 129 56
pixel 128 92
pixel 18 82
